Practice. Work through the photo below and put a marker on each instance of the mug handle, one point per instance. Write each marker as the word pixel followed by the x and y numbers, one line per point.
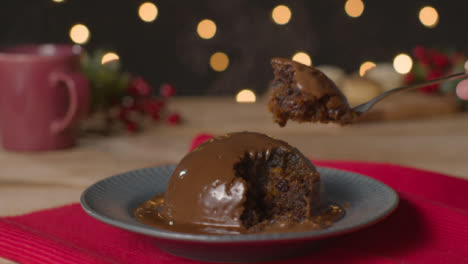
pixel 78 92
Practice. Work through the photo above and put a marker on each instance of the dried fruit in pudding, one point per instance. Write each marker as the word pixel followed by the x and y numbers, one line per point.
pixel 304 94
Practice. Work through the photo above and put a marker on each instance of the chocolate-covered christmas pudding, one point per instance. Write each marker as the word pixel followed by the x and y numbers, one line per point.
pixel 305 94
pixel 239 183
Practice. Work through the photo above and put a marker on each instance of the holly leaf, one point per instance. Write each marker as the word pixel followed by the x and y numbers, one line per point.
pixel 108 83
pixel 420 72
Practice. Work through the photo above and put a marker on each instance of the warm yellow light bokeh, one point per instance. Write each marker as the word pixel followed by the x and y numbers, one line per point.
pixel 246 96
pixel 365 66
pixel 303 58
pixel 108 57
pixel 57 1
pixel 79 34
pixel 148 12
pixel 429 16
pixel 206 29
pixel 219 61
pixel 281 14
pixel 402 63
pixel 354 8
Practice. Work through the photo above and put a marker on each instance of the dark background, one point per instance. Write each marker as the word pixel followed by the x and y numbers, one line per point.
pixel 169 49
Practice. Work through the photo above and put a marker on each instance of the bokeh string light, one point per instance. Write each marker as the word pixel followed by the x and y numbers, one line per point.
pixel 365 66
pixel 109 57
pixel 148 12
pixel 219 61
pixel 79 34
pixel 303 58
pixel 428 16
pixel 281 14
pixel 246 96
pixel 206 29
pixel 402 63
pixel 354 8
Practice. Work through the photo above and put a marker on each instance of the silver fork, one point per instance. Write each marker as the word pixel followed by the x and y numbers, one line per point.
pixel 362 108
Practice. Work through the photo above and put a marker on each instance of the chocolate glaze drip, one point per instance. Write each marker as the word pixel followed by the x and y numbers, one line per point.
pixel 311 81
pixel 204 189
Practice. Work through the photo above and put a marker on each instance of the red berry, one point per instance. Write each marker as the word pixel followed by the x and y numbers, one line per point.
pixel 425 61
pixel 159 104
pixel 434 74
pixel 419 52
pixel 423 55
pixel 429 89
pixel 173 119
pixel 149 107
pixel 200 139
pixel 409 78
pixel 123 114
pixel 153 105
pixel 134 107
pixel 139 87
pixel 440 60
pixel 155 116
pixel 131 90
pixel 167 90
pixel 131 126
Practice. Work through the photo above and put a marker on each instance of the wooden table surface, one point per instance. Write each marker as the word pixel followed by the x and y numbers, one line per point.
pixel 33 181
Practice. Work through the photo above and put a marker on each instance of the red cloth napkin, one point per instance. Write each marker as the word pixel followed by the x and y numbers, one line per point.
pixel 429 226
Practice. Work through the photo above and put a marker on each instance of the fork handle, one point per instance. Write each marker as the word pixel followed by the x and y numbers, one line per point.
pixel 367 106
pixel 452 77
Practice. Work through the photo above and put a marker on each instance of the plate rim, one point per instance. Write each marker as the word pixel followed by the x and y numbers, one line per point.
pixel 240 238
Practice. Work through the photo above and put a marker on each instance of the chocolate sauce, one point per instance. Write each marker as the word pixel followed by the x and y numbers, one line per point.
pixel 204 189
pixel 205 196
pixel 311 81
pixel 149 213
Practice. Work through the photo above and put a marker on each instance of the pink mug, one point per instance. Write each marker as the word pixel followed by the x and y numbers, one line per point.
pixel 42 96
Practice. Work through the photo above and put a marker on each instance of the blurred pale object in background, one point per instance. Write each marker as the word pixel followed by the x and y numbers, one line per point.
pixel 336 74
pixel 385 76
pixel 359 90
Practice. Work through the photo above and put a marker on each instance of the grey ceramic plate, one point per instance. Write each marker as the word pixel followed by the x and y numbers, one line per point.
pixel 113 201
